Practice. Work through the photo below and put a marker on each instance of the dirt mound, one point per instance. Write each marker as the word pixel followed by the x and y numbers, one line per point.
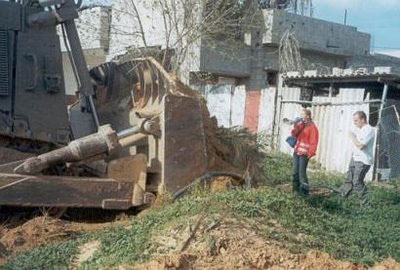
pixel 43 230
pixel 387 264
pixel 34 232
pixel 230 244
pixel 221 183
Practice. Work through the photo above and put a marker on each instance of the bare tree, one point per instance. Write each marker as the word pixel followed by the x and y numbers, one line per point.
pixel 179 24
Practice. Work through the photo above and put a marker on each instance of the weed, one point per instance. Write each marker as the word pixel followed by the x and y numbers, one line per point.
pixel 54 256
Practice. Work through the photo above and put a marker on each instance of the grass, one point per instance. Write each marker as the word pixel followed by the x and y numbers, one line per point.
pixel 328 223
pixel 338 227
pixel 54 256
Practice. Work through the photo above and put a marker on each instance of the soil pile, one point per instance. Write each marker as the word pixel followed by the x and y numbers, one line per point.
pixel 230 244
pixel 15 237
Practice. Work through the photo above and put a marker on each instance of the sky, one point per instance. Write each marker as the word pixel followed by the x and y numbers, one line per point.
pixel 380 18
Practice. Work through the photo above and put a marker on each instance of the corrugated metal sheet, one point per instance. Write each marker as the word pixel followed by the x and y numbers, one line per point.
pixel 334 123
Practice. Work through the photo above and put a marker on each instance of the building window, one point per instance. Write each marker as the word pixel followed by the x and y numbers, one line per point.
pixel 272 78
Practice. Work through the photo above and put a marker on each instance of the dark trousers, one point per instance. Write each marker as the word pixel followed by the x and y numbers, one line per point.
pixel 300 181
pixel 355 181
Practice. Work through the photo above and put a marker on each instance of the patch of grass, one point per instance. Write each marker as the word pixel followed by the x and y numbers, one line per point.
pixel 54 256
pixel 277 169
pixel 338 227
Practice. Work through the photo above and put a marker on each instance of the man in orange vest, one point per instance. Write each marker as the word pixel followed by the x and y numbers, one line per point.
pixel 305 148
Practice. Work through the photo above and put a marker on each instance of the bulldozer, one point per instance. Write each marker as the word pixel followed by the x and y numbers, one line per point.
pixel 133 133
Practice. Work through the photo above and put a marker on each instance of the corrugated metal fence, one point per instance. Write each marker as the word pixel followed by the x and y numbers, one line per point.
pixel 334 118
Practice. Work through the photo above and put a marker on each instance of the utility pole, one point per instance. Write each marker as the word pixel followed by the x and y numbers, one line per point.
pixel 345 16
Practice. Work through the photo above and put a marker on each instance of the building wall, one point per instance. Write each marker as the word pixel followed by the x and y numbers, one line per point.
pixel 93 28
pixel 267 111
pixel 252 108
pixel 93 58
pixel 125 28
pixel 314 34
pixel 311 59
pixel 226 102
pixel 221 59
pixel 233 106
pixel 376 60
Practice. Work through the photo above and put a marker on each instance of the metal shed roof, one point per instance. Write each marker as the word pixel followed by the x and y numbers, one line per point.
pixel 357 80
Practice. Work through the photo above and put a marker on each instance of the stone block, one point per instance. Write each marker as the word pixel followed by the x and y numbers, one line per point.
pixel 310 73
pixel 292 73
pixel 381 70
pixel 348 71
pixel 337 71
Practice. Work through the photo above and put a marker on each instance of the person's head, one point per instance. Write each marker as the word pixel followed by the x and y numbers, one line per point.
pixel 306 115
pixel 359 119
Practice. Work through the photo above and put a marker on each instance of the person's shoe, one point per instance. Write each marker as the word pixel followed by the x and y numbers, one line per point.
pixel 304 192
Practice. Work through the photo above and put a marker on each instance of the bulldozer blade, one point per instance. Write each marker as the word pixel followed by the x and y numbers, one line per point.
pixel 132 169
pixel 179 155
pixel 184 142
pixel 9 167
pixel 60 191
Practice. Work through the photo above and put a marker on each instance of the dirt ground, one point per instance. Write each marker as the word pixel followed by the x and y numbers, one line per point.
pixel 207 242
pixel 230 244
pixel 17 236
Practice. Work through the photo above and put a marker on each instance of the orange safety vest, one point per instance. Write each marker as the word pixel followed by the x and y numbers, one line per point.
pixel 307 139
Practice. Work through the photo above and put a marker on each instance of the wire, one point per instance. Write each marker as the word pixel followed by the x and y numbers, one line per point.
pixel 386 48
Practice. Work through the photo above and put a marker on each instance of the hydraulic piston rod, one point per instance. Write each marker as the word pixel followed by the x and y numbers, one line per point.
pixel 103 143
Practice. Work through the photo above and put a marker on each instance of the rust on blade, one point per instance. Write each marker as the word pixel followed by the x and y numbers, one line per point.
pixel 185 155
pixel 132 169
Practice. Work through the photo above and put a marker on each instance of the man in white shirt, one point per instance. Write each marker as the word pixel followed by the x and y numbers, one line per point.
pixel 362 137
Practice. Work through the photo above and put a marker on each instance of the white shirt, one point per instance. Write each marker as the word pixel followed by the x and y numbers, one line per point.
pixel 365 135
